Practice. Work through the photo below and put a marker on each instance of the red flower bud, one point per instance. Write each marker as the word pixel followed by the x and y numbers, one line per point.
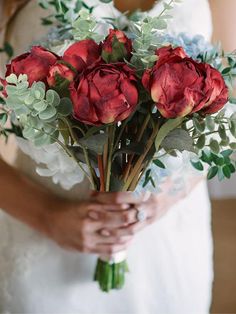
pixel 116 47
pixel 59 72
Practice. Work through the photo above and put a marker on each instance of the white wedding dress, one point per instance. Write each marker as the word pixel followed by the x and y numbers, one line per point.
pixel 170 262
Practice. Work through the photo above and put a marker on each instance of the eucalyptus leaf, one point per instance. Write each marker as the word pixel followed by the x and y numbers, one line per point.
pixel 52 98
pixel 65 107
pixel 210 123
pixel 95 143
pixel 48 113
pixel 212 172
pixel 165 129
pixel 214 145
pixel 232 145
pixel 222 132
pixel 197 165
pixel 226 171
pixel 159 163
pixel 201 141
pixel 178 139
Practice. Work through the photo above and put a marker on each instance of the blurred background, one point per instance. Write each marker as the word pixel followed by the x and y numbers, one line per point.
pixel 223 195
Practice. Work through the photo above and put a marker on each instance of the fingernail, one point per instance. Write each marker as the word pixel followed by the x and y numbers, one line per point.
pixel 125 206
pixel 93 215
pixel 105 233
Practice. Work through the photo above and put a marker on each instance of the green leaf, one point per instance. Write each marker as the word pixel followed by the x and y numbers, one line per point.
pixel 212 172
pixel 210 123
pixel 225 142
pixel 206 157
pixel 197 165
pixel 53 98
pixel 165 129
pixel 226 153
pixel 48 113
pixel 12 79
pixel 65 107
pixel 226 171
pixel 232 168
pixel 40 106
pixel 95 143
pixel 201 141
pixel 218 160
pixel 233 128
pixel 214 146
pixel 222 132
pixel 226 71
pixel 105 1
pixel 232 146
pixel 159 163
pixel 178 139
pixel 232 100
pixel 3 118
pixel 199 125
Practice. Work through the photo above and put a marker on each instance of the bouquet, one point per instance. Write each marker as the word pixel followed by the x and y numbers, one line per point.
pixel 117 103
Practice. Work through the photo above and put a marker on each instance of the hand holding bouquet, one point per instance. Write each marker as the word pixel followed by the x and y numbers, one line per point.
pixel 116 104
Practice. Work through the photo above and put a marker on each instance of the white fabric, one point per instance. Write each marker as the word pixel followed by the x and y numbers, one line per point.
pixel 170 262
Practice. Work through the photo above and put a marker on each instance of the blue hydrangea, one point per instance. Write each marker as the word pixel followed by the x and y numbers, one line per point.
pixel 193 46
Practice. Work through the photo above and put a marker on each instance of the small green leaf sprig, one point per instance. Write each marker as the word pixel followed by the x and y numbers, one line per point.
pixel 36 110
pixel 85 27
pixel 213 142
pixel 147 34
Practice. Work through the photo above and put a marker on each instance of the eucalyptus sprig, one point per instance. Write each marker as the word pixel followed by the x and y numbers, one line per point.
pixel 214 143
pixel 147 33
pixel 36 109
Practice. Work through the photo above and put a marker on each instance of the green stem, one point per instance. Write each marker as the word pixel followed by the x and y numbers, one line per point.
pixel 86 156
pixel 139 162
pixel 122 128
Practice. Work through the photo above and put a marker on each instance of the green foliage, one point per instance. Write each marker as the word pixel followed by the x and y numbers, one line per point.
pixel 159 163
pixel 147 35
pixel 7 49
pixel 165 129
pixel 148 179
pixel 36 109
pixel 221 164
pixel 95 142
pixel 85 27
pixel 178 139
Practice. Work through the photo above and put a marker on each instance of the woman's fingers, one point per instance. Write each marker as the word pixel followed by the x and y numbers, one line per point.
pixel 131 230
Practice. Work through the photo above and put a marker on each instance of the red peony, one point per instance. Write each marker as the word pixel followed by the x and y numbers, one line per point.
pixel 106 93
pixel 82 54
pixel 180 86
pixel 59 72
pixel 116 47
pixel 35 64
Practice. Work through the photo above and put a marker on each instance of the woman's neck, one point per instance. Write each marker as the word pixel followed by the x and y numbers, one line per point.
pixel 132 5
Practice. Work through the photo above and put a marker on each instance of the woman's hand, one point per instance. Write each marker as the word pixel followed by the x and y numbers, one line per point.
pixel 153 206
pixel 83 226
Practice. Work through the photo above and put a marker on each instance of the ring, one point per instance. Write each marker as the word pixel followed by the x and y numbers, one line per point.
pixel 141 215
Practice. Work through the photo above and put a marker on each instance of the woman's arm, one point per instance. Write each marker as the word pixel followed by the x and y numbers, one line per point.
pixel 224 22
pixel 73 225
pixel 21 198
